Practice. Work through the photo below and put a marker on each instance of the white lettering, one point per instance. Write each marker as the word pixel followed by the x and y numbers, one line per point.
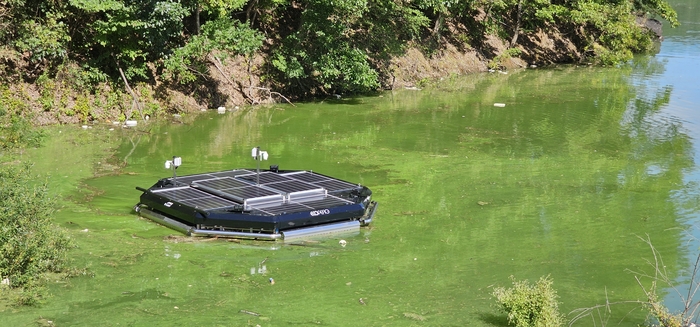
pixel 320 212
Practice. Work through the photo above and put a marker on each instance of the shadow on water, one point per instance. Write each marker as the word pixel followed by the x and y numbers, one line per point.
pixel 126 297
pixel 492 319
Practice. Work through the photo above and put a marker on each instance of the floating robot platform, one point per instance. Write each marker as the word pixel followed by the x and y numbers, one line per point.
pixel 270 204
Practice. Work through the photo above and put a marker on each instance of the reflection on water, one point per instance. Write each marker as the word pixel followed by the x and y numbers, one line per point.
pixel 679 58
pixel 566 180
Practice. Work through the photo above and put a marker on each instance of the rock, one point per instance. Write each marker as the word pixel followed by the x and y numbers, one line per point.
pixel 652 25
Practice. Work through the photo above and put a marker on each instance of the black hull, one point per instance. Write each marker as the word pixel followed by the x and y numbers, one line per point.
pixel 241 203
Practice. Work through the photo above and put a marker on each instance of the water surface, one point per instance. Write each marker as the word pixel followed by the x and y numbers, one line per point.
pixel 566 181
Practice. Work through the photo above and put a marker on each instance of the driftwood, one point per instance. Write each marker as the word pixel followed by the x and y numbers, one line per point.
pixel 250 313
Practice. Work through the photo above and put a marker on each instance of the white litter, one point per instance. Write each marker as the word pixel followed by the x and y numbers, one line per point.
pixel 499 105
pixel 131 123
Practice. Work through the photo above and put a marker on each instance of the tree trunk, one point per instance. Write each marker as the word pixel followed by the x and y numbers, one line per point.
pixel 437 26
pixel 249 10
pixel 517 24
pixel 196 17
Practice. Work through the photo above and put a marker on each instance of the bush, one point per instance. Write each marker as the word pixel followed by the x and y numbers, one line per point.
pixel 16 130
pixel 530 305
pixel 30 245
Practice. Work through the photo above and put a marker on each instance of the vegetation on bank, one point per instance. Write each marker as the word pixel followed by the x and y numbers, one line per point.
pixel 30 244
pixel 530 305
pixel 527 305
pixel 307 47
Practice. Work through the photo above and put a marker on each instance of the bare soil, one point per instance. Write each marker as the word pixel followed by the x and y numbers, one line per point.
pixel 237 82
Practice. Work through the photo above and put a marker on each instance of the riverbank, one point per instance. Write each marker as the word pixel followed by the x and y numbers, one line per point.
pixel 243 81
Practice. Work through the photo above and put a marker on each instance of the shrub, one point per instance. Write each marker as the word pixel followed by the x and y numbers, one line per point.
pixel 530 305
pixel 30 245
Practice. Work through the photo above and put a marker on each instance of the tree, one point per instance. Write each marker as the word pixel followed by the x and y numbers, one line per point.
pixel 132 34
pixel 339 46
pixel 222 36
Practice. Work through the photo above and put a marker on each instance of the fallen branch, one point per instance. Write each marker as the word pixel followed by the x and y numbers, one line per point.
pixel 135 102
pixel 272 93
pixel 217 63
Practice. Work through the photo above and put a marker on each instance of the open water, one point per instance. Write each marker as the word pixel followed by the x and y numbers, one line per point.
pixel 571 179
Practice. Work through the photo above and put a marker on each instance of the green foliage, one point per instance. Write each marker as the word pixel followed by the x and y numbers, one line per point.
pixel 340 46
pixel 316 46
pixel 530 305
pixel 612 33
pixel 496 62
pixel 132 34
pixel 221 8
pixel 80 79
pixel 16 131
pixel 83 108
pixel 45 39
pixel 30 245
pixel 657 7
pixel 222 36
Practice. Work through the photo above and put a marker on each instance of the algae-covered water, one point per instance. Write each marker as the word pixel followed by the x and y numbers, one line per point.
pixel 567 180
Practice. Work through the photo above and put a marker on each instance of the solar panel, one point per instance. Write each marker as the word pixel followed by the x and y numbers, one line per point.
pixel 284 208
pixel 195 198
pixel 186 180
pixel 209 203
pixel 307 176
pixel 293 186
pixel 292 207
pixel 221 183
pixel 232 173
pixel 181 193
pixel 248 192
pixel 335 185
pixel 277 193
pixel 265 177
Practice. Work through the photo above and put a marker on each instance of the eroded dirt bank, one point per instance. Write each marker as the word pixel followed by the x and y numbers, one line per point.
pixel 239 82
